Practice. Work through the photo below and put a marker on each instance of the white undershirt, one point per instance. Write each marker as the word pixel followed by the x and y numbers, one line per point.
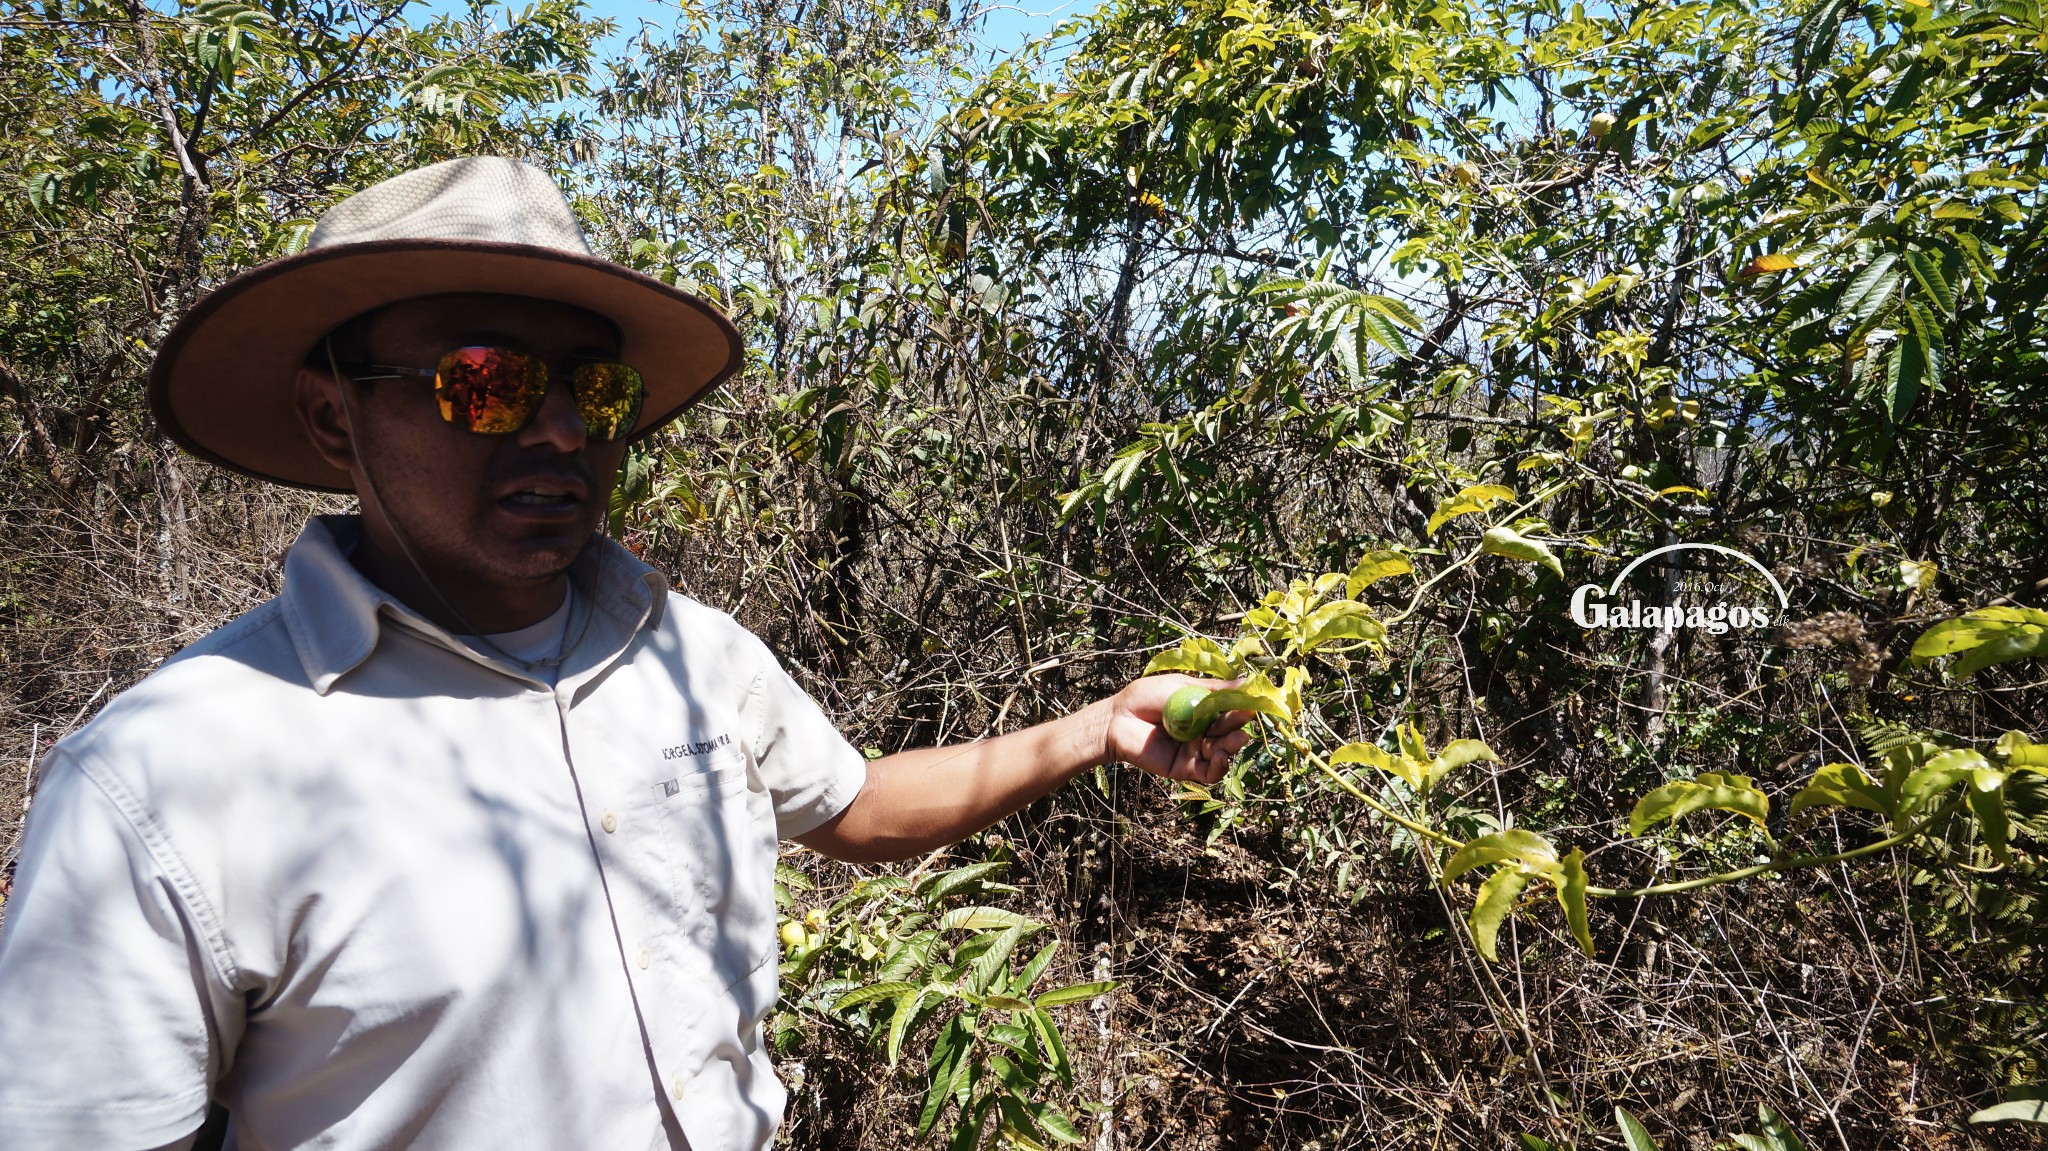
pixel 531 644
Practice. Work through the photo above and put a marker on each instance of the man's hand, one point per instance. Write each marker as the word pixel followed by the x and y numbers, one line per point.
pixel 1134 736
pixel 917 800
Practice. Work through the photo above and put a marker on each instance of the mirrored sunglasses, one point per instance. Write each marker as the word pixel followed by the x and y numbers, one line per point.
pixel 496 390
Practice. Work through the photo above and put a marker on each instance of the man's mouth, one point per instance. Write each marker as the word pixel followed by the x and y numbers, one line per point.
pixel 543 497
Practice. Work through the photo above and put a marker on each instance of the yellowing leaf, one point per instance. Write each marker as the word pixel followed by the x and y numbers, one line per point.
pixel 1341 620
pixel 1937 775
pixel 2014 629
pixel 1291 685
pixel 1196 655
pixel 1764 265
pixel 1455 755
pixel 2019 751
pixel 1571 895
pixel 1256 694
pixel 1506 541
pixel 1525 849
pixel 1473 499
pixel 1711 789
pixel 1497 897
pixel 1376 566
pixel 1371 755
pixel 1841 785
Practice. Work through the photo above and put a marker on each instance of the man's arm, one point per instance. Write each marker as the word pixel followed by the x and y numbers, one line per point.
pixel 918 800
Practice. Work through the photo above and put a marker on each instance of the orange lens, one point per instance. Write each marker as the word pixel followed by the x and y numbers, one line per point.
pixel 490 390
pixel 609 395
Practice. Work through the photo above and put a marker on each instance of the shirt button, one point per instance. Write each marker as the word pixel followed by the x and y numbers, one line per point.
pixel 646 957
pixel 610 822
pixel 676 1088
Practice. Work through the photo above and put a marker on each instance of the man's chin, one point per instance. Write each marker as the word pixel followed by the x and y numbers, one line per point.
pixel 537 555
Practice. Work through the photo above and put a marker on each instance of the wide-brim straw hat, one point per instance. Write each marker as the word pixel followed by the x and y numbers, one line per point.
pixel 223 383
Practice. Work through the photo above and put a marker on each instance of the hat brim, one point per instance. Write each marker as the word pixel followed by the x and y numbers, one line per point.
pixel 222 385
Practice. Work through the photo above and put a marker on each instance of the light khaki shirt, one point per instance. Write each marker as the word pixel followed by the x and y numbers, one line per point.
pixel 370 889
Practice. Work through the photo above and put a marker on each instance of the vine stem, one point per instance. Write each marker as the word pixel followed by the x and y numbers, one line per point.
pixel 1911 832
pixel 1337 777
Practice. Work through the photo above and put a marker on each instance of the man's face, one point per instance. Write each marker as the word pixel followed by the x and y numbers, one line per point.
pixel 484 513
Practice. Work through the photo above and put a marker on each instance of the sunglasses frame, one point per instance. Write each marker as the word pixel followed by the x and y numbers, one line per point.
pixel 400 371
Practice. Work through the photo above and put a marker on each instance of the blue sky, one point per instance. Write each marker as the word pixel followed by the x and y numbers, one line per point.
pixel 1006 26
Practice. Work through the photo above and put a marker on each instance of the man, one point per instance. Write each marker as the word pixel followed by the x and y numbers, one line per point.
pixel 466 839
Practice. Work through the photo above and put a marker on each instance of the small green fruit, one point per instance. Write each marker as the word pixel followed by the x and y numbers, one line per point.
pixel 1602 123
pixel 792 935
pixel 1179 716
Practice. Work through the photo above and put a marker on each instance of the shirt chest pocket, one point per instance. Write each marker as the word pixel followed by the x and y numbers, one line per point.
pixel 720 840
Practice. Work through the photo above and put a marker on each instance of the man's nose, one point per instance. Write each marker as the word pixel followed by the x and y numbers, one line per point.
pixel 558 424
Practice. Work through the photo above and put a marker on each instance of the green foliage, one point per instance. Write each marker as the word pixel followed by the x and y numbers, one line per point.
pixel 1178 318
pixel 908 962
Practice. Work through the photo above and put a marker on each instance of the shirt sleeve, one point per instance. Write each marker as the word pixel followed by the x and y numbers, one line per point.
pixel 811 772
pixel 104 982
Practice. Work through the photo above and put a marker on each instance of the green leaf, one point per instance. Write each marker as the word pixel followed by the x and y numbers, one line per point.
pixel 1571 895
pixel 935 888
pixel 1035 968
pixel 1473 499
pixel 1974 629
pixel 982 919
pixel 1937 775
pixel 1914 364
pixel 948 1066
pixel 1515 845
pixel 1842 785
pixel 984 967
pixel 1074 993
pixel 1634 1135
pixel 1376 566
pixel 870 994
pixel 1709 790
pixel 1382 331
pixel 1869 289
pixel 2024 1105
pixel 1780 1133
pixel 1196 655
pixel 1496 898
pixel 1055 1123
pixel 1506 541
pixel 1983 637
pixel 1394 310
pixel 1055 1046
pixel 1530 1142
pixel 1928 274
pixel 1410 738
pixel 899 1023
pixel 2004 649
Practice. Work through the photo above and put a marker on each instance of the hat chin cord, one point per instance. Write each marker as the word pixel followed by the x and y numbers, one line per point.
pixel 405 546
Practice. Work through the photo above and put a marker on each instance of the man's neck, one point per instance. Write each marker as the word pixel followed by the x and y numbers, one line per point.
pixel 459 605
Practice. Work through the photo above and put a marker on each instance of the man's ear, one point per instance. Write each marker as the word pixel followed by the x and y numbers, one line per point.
pixel 325 418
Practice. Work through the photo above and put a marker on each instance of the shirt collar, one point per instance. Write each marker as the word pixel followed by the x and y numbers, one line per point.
pixel 336 616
